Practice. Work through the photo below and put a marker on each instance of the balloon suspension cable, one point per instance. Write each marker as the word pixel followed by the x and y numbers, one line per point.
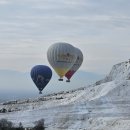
pixel 68 80
pixel 40 92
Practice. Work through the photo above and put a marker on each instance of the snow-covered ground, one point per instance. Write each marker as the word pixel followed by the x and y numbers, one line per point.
pixel 104 105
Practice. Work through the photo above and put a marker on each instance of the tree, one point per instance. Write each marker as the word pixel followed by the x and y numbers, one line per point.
pixel 39 125
pixel 4 123
pixel 20 126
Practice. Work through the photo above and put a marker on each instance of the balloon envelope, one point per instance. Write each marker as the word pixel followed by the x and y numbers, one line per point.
pixel 76 65
pixel 61 57
pixel 41 75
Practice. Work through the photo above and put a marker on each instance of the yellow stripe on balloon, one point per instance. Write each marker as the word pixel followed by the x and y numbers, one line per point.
pixel 61 72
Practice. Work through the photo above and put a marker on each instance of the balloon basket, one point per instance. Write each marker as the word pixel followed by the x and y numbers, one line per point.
pixel 60 79
pixel 68 80
pixel 40 92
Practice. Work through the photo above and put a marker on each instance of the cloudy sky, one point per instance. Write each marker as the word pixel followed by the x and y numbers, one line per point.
pixel 100 28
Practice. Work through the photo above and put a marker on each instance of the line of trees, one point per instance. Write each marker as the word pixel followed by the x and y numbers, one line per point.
pixel 8 125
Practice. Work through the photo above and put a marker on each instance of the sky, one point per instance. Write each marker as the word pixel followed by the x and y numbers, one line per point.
pixel 100 28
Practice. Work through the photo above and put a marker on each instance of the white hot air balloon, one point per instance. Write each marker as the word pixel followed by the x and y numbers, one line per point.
pixel 76 65
pixel 61 57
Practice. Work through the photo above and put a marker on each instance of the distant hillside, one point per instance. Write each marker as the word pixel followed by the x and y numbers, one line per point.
pixel 14 84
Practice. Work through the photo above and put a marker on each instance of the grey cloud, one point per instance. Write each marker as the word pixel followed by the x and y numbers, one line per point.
pixel 4 2
pixel 27 26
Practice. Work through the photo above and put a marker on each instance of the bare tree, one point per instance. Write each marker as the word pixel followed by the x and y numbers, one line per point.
pixel 39 125
pixel 20 126
pixel 4 123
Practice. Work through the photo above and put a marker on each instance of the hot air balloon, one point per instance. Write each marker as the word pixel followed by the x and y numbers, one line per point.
pixel 61 57
pixel 41 75
pixel 76 65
